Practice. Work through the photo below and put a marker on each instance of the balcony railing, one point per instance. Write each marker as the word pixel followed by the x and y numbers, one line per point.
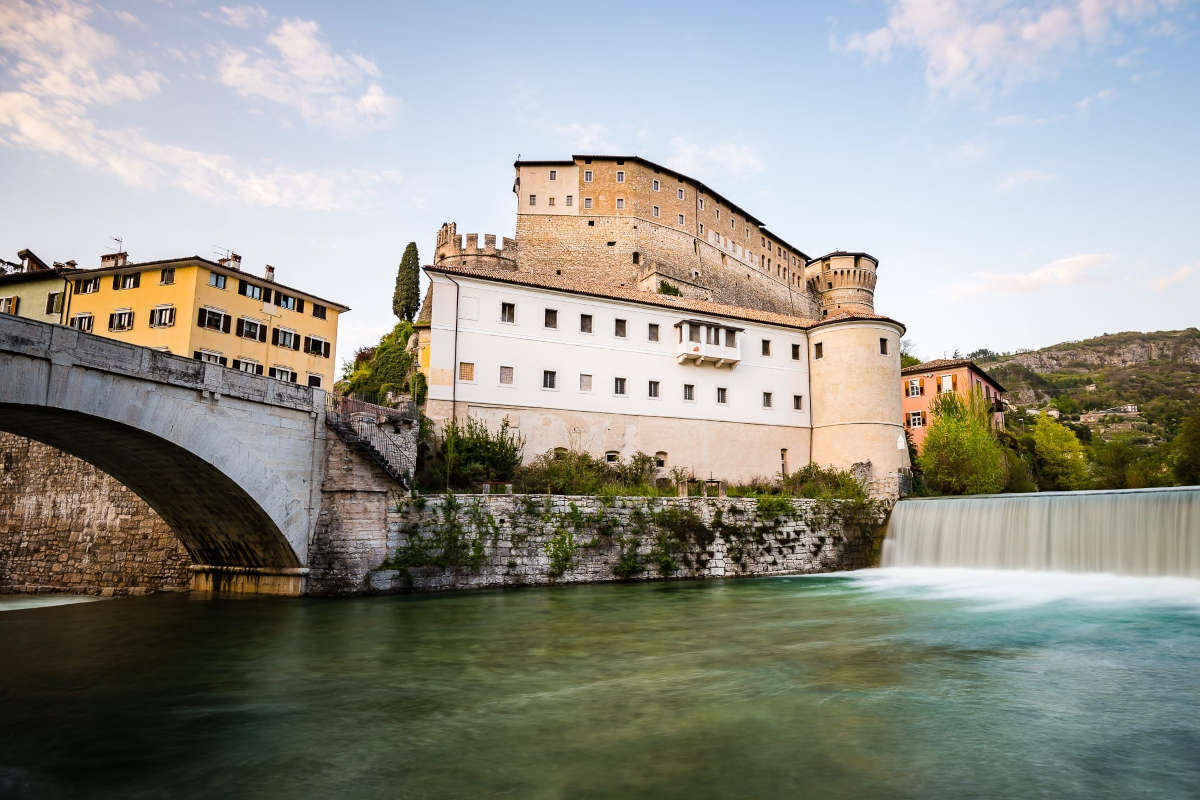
pixel 718 355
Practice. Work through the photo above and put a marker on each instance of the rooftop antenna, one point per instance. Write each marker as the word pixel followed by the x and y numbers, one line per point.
pixel 120 242
pixel 222 252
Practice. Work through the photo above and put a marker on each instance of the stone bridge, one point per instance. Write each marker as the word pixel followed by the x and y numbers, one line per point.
pixel 232 462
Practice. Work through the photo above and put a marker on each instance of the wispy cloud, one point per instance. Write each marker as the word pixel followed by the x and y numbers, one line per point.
pixel 243 16
pixel 304 73
pixel 64 69
pixel 586 137
pixel 730 158
pixel 1024 177
pixel 1102 96
pixel 968 45
pixel 1178 276
pixel 1070 271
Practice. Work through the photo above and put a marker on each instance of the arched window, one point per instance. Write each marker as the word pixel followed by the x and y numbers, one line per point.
pixel 560 452
pixel 660 459
pixel 612 456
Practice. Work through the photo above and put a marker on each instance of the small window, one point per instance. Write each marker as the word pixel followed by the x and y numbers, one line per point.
pixel 466 371
pixel 766 347
pixel 216 280
pixel 914 387
pixel 783 460
pixel 652 332
pixel 82 322
pixel 701 203
pixel 533 199
pixel 722 395
pixel 587 176
pixel 660 459
pixel 585 323
pixel 689 391
pixel 585 382
pixel 550 200
pixel 213 320
pixel 702 227
pixel 916 419
pixel 681 219
pixel 132 280
pixel 679 193
pixel 54 302
pixel 90 286
pixel 619 328
pixel 637 257
pixel 212 357
pixel 282 374
pixel 795 352
pixel 655 211
pixel 730 337
pixel 652 389
pixel 162 317
pixel 314 381
pixel 318 311
pixel 506 376
pixel 618 386
pixel 166 276
pixel 570 200
pixel 797 402
pixel 549 379
pixel 587 203
pixel 693 332
pixel 551 318
pixel 620 203
pixel 946 384
pixel 508 312
pixel 818 350
pixel 612 457
pixel 620 176
pixel 654 184
pixel 767 400
pixel 553 174
pixel 882 346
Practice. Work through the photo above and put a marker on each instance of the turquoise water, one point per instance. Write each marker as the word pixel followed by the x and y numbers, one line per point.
pixel 879 684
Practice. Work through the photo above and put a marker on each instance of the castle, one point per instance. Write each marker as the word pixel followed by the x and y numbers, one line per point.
pixel 639 310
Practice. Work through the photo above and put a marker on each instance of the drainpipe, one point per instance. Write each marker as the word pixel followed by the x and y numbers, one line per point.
pixel 454 364
pixel 811 428
pixel 64 313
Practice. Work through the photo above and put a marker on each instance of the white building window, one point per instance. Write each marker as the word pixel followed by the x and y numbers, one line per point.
pixel 549 379
pixel 466 371
pixel 82 322
pixel 247 365
pixel 316 346
pixel 946 384
pixel 652 332
pixel 286 338
pixel 508 312
pixel 795 352
pixel 213 320
pixel 619 328
pixel 767 400
pixel 585 382
pixel 506 376
pixel 553 174
pixel 216 280
pixel 722 395
pixel 619 386
pixel 162 316
pixel 551 318
pixel 689 392
pixel 916 419
pixel 797 402
pixel 660 459
pixel 585 323
pixel 89 286
pixel 914 387
pixel 652 389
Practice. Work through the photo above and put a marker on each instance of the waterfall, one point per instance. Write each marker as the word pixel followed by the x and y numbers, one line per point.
pixel 1127 532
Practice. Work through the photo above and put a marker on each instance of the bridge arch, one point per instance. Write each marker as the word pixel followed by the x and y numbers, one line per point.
pixel 232 462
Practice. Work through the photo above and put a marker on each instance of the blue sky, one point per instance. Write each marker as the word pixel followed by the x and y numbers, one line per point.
pixel 1025 173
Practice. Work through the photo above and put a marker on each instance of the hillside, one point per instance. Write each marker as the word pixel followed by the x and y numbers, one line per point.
pixel 1159 371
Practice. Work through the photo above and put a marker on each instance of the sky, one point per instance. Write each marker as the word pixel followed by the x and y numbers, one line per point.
pixel 1025 173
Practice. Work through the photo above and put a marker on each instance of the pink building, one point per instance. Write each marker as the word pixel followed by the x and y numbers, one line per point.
pixel 921 383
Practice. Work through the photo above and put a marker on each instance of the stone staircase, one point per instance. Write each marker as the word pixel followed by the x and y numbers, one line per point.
pixel 387 436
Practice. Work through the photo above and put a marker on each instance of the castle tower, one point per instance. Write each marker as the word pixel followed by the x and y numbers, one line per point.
pixel 845 282
pixel 450 249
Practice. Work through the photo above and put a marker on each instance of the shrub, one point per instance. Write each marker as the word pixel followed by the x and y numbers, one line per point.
pixel 561 550
pixel 466 453
pixel 961 454
pixel 575 472
pixel 668 288
pixel 1061 461
pixel 1187 451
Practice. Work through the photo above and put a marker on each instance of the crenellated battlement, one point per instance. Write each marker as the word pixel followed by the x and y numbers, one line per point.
pixel 450 247
pixel 844 282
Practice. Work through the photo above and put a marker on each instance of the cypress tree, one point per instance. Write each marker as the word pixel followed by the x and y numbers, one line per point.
pixel 406 299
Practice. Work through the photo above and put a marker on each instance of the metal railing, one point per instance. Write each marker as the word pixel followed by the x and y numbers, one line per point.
pixel 364 425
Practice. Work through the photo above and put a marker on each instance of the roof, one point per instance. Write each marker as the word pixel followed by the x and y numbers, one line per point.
pixel 36 275
pixel 842 253
pixel 29 255
pixel 212 265
pixel 425 316
pixel 950 363
pixel 668 171
pixel 607 290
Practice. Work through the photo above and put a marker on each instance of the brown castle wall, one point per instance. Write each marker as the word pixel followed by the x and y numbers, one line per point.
pixel 65 526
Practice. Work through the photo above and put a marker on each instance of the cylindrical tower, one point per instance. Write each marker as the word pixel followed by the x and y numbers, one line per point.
pixel 845 282
pixel 855 388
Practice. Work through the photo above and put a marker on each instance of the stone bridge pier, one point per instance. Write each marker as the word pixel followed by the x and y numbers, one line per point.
pixel 232 462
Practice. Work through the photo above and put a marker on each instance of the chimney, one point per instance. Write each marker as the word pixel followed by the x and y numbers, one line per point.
pixel 114 260
pixel 233 261
pixel 269 273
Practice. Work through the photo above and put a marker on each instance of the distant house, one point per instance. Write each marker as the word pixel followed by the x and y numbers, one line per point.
pixel 921 383
pixel 1125 411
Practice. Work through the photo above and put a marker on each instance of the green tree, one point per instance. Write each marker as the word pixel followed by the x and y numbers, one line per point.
pixel 1061 461
pixel 1187 451
pixel 406 299
pixel 384 368
pixel 907 359
pixel 961 454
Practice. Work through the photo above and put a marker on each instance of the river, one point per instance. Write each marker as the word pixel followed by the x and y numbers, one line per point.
pixel 880 684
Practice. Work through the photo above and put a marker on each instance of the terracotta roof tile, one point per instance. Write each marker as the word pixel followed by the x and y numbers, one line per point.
pixel 949 363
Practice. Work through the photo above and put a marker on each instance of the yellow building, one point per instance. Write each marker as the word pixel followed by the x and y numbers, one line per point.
pixel 35 290
pixel 211 311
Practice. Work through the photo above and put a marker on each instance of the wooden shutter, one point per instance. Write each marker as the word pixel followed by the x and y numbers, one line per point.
pixel 116 282
pixel 236 363
pixel 275 336
pixel 112 321
pixel 293 376
pixel 296 342
pixel 200 317
pixel 266 295
pixel 325 349
pixel 262 332
pixel 308 344
pixel 225 324
pixel 258 369
pixel 954 382
pixel 130 321
pixel 196 355
pixel 241 328
pixel 922 381
pixel 78 285
pixel 300 304
pixel 137 279
pixel 277 296
pixel 224 362
pixel 242 287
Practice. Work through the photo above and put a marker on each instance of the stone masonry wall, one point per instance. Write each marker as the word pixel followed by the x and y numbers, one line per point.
pixel 478 541
pixel 65 526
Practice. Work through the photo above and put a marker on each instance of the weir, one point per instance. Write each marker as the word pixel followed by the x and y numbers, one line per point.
pixel 1147 532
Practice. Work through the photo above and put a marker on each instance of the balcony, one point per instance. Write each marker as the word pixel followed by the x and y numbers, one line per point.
pixel 698 342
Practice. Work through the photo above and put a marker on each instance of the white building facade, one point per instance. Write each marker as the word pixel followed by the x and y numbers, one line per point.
pixel 719 391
